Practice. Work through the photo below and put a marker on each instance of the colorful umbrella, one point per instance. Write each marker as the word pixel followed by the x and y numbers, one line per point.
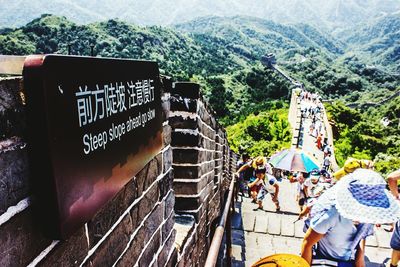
pixel 294 160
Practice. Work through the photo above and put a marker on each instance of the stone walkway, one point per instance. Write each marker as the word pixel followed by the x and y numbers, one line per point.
pixel 257 234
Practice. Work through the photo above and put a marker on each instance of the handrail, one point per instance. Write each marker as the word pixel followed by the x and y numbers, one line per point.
pixel 212 255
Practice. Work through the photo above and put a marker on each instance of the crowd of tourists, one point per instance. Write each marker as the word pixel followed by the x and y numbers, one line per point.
pixel 339 209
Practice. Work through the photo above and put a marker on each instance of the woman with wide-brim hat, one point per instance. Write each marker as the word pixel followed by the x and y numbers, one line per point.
pixel 344 216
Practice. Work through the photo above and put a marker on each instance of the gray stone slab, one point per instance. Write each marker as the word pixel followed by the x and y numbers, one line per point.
pixel 248 220
pixel 264 240
pixel 287 225
pixel 274 224
pixel 261 223
pixel 372 241
pixel 294 245
pixel 376 256
pixel 251 239
pixel 383 238
pixel 298 229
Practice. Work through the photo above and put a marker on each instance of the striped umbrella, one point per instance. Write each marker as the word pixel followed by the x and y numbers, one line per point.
pixel 294 160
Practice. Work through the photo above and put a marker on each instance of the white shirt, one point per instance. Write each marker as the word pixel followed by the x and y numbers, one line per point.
pixel 310 187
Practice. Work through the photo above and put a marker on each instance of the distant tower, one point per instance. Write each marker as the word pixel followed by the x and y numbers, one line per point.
pixel 268 60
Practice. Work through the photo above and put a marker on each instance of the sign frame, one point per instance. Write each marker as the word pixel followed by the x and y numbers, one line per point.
pixel 93 124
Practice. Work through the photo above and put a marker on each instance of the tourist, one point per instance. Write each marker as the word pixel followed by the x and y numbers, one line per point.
pixel 319 141
pixel 326 165
pixel 258 162
pixel 344 216
pixel 311 183
pixel 267 184
pixel 244 176
pixel 301 195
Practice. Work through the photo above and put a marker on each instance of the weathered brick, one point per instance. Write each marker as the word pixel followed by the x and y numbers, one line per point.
pixel 167 227
pixel 193 172
pixel 135 248
pixel 14 177
pixel 205 116
pixel 204 129
pixel 186 89
pixel 191 139
pixel 189 188
pixel 166 106
pixel 20 240
pixel 110 213
pixel 145 205
pixel 195 213
pixel 172 260
pixel 70 252
pixel 192 203
pixel 165 184
pixel 178 103
pixel 166 135
pixel 167 159
pixel 169 203
pixel 12 110
pixel 149 173
pixel 191 155
pixel 142 237
pixel 214 207
pixel 155 219
pixel 166 249
pixel 113 246
pixel 192 188
pixel 179 122
pixel 151 250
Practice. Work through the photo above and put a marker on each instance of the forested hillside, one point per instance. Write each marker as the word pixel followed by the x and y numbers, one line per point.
pixel 223 55
pixel 378 43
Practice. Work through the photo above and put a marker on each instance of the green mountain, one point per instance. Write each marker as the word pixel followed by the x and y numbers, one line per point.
pixel 331 15
pixel 216 51
pixel 378 43
pixel 223 55
pixel 255 35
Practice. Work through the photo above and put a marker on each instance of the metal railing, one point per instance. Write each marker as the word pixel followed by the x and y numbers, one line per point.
pixel 225 222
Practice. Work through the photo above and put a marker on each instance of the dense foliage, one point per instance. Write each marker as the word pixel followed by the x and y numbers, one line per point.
pixel 263 133
pixel 362 134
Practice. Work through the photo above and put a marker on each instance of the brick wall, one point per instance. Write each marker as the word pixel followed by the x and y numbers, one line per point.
pixel 202 169
pixel 162 217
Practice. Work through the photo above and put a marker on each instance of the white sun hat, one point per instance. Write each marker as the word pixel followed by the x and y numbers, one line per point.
pixel 362 196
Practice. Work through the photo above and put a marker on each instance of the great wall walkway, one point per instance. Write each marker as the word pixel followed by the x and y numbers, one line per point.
pixel 257 234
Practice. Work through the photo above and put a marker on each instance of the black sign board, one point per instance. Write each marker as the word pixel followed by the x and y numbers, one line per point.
pixel 93 124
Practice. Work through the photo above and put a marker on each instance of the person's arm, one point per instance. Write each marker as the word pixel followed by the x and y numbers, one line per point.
pixel 310 239
pixel 253 183
pixel 392 181
pixel 275 198
pixel 360 262
pixel 305 190
pixel 244 167
pixel 304 212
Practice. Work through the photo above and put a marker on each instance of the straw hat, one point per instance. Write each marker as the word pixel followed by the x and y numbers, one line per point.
pixel 259 162
pixel 351 165
pixel 362 196
pixel 282 260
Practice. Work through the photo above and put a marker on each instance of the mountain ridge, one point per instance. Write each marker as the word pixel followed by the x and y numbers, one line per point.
pixel 325 15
